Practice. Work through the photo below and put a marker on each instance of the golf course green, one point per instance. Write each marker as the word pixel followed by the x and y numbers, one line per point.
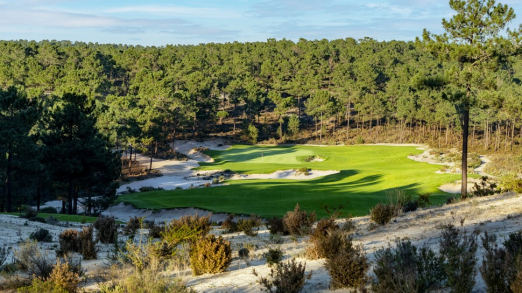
pixel 367 172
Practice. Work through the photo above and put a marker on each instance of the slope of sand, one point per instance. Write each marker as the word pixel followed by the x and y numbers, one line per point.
pixel 499 215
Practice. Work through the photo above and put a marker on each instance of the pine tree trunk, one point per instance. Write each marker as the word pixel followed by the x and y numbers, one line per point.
pixel 465 133
pixel 8 177
pixel 70 197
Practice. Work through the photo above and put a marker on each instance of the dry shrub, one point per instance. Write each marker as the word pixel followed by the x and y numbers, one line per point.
pixel 170 238
pixel 383 213
pixel 107 229
pixel 87 243
pixel 407 269
pixel 133 225
pixel 516 285
pixel 148 281
pixel 200 224
pixel 275 226
pixel 317 247
pixel 285 278
pixel 298 222
pixel 33 260
pixel 424 200
pixel 346 263
pixel 458 250
pixel 210 255
pixel 229 224
pixel 69 241
pixel 249 226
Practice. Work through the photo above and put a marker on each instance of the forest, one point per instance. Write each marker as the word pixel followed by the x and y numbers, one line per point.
pixel 65 107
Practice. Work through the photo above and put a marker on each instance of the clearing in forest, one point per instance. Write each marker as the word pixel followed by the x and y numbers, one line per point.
pixel 366 173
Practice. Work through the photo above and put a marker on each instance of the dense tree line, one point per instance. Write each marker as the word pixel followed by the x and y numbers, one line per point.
pixel 342 90
pixel 146 95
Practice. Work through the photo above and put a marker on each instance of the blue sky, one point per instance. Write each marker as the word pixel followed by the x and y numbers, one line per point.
pixel 162 22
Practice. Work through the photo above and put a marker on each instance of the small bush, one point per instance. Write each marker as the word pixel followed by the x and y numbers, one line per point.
pixel 41 235
pixel 31 259
pixel 29 212
pixel 275 226
pixel 286 278
pixel 317 247
pixel 516 285
pixel 410 206
pixel 107 229
pixel 424 200
pixel 484 188
pixel 155 230
pixel 52 220
pixel 3 255
pixel 87 243
pixel 61 279
pixel 69 241
pixel 195 222
pixel 243 252
pixel 383 213
pixel 229 224
pixel 249 226
pixel 149 188
pixel 147 281
pixel 298 222
pixel 37 219
pixel 514 243
pixel 210 255
pixel 133 225
pixel 458 250
pixel 273 256
pixel 407 269
pixel 498 268
pixel 49 210
pixel 511 183
pixel 346 264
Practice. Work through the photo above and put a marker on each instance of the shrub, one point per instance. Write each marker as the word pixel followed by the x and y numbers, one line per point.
pixel 458 250
pixel 298 222
pixel 149 188
pixel 516 285
pixel 303 170
pixel 3 255
pixel 317 247
pixel 133 225
pixel 210 255
pixel 155 230
pixel 511 183
pixel 229 225
pixel 346 264
pixel 147 281
pixel 195 222
pixel 37 219
pixel 514 243
pixel 286 278
pixel 31 259
pixel 41 235
pixel 61 279
pixel 273 256
pixel 52 220
pixel 382 213
pixel 69 241
pixel 424 200
pixel 484 188
pixel 170 238
pixel 407 269
pixel 275 226
pixel 29 212
pixel 87 243
pixel 410 206
pixel 249 226
pixel 498 268
pixel 49 210
pixel 107 229
pixel 243 252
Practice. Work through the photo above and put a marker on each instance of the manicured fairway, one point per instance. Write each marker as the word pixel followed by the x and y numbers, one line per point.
pixel 367 171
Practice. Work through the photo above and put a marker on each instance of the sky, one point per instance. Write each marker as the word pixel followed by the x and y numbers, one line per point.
pixel 163 22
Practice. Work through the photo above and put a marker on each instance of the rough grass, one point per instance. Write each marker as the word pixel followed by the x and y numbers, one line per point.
pixel 367 172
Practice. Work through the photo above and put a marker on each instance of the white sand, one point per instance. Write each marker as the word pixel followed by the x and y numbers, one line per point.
pixel 499 215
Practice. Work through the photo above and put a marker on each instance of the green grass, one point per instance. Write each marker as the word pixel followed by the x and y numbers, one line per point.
pixel 367 172
pixel 62 217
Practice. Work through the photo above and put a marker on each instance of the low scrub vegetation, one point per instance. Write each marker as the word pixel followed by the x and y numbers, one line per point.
pixel 210 255
pixel 298 222
pixel 107 229
pixel 288 277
